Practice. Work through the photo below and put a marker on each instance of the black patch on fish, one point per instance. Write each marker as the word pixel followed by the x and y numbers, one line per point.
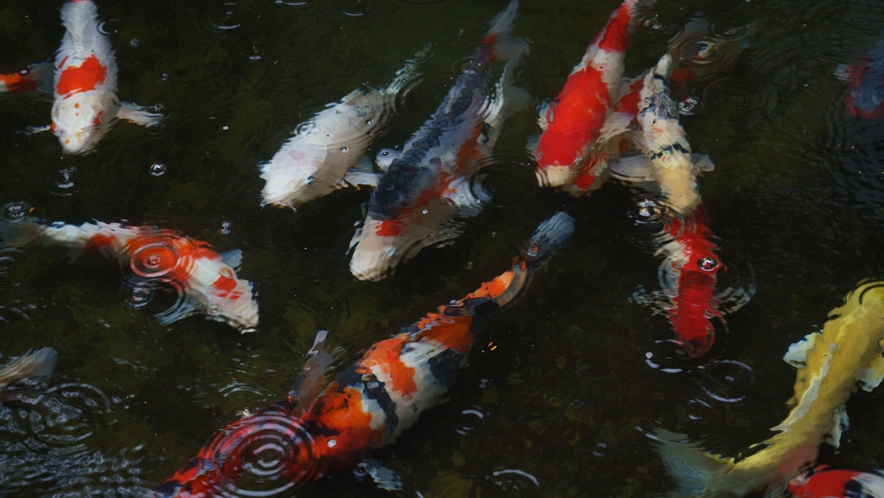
pixel 168 488
pixel 444 367
pixel 372 389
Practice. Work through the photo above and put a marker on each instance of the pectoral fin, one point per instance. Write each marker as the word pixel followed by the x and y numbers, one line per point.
pixel 232 258
pixel 871 375
pixel 138 114
pixel 840 423
pixel 797 353
pixel 356 177
pixel 385 478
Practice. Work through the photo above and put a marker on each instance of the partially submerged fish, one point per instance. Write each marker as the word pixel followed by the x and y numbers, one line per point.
pixel 86 104
pixel 321 156
pixel 205 280
pixel 572 123
pixel 826 482
pixel 32 366
pixel 866 84
pixel 427 184
pixel 371 402
pixel 830 365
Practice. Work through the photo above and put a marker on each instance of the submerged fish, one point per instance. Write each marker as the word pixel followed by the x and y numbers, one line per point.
pixel 35 80
pixel 866 84
pixel 370 403
pixel 572 123
pixel 205 280
pixel 320 157
pixel 826 482
pixel 32 366
pixel 427 184
pixel 830 365
pixel 86 103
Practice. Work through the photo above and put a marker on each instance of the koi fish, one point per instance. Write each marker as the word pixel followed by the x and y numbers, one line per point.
pixel 321 156
pixel 36 80
pixel 427 184
pixel 866 84
pixel 205 280
pixel 830 364
pixel 31 366
pixel 572 123
pixel 824 482
pixel 85 93
pixel 372 401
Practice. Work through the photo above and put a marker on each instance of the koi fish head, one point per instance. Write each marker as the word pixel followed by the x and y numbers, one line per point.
pixel 269 451
pixel 205 280
pixel 689 275
pixel 81 120
pixel 381 244
pixel 403 187
pixel 297 174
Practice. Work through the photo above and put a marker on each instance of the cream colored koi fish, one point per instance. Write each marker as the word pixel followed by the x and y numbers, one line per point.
pixel 831 364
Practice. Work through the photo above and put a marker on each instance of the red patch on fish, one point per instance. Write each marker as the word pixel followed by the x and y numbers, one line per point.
pixel 390 228
pixel 615 38
pixel 82 78
pixel 823 483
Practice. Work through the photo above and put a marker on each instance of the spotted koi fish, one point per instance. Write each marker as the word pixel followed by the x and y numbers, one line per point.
pixel 322 155
pixel 426 185
pixel 865 84
pixel 36 81
pixel 372 401
pixel 85 91
pixel 826 482
pixel 831 364
pixel 32 366
pixel 205 280
pixel 572 123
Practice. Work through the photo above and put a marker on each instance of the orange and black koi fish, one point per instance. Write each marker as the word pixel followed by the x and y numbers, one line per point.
pixel 205 280
pixel 370 403
pixel 826 482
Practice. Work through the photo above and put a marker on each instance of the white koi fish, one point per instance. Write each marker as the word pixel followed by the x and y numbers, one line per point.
pixel 830 365
pixel 321 156
pixel 205 280
pixel 85 98
pixel 427 184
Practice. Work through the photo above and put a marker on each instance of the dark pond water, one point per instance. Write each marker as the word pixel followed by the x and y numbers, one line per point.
pixel 568 394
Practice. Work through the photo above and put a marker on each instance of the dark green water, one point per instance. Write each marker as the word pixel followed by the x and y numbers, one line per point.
pixel 796 200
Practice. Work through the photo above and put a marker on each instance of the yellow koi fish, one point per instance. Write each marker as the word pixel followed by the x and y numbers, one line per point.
pixel 831 364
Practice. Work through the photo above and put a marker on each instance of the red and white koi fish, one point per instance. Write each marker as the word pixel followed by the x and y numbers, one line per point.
pixel 371 402
pixel 831 364
pixel 36 80
pixel 866 84
pixel 205 280
pixel 427 184
pixel 85 95
pixel 826 482
pixel 321 156
pixel 572 123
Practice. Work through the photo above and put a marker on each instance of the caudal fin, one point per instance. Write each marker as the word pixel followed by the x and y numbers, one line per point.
pixel 505 46
pixel 35 366
pixel 696 472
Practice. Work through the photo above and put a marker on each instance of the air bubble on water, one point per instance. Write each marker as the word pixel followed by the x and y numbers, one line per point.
pixel 225 228
pixel 687 106
pixel 425 211
pixel 225 127
pixel 6 262
pixel 369 122
pixel 133 42
pixel 157 169
pixel 343 149
pixel 15 212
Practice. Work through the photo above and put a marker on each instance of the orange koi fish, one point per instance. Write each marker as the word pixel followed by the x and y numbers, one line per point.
pixel 425 192
pixel 826 482
pixel 205 280
pixel 85 92
pixel 572 123
pixel 370 403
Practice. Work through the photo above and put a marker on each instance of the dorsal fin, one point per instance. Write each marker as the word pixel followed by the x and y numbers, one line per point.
pixel 313 378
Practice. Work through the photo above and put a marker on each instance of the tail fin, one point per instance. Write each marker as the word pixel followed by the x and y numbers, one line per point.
pixel 16 228
pixel 549 237
pixel 505 45
pixel 696 472
pixel 36 366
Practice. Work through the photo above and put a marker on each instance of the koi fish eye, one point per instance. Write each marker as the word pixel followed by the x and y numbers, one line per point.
pixel 309 180
pixel 707 264
pixel 881 344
